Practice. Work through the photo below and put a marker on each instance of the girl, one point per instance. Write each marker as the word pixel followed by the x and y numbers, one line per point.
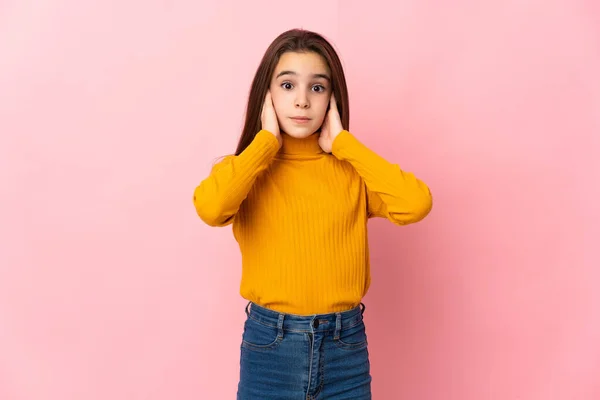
pixel 299 191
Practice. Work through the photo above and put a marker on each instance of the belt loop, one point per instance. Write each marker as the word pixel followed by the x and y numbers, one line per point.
pixel 338 325
pixel 362 311
pixel 280 326
pixel 247 305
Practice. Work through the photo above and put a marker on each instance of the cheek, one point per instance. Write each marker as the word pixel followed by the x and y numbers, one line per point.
pixel 321 108
pixel 278 101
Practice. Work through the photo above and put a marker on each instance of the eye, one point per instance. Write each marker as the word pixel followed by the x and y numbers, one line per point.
pixel 321 87
pixel 286 85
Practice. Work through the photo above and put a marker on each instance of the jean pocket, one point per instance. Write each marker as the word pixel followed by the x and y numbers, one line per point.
pixel 258 336
pixel 354 338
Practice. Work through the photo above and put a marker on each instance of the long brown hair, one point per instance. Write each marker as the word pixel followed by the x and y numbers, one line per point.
pixel 296 40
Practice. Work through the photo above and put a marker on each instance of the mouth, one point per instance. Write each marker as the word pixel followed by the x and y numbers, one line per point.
pixel 300 120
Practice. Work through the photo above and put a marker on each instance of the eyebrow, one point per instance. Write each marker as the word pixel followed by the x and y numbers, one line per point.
pixel 324 76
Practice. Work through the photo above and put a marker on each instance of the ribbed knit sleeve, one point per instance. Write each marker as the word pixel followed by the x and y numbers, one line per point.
pixel 392 193
pixel 219 196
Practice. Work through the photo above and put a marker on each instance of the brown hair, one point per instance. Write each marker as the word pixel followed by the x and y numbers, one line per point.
pixel 296 40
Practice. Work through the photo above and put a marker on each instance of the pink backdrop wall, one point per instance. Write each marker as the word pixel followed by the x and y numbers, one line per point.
pixel 112 112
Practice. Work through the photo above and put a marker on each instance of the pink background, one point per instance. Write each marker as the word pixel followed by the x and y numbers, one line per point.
pixel 112 112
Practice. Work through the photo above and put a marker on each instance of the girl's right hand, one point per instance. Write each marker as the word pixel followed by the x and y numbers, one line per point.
pixel 268 117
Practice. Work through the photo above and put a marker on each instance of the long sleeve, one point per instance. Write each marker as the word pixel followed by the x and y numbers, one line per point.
pixel 392 193
pixel 219 196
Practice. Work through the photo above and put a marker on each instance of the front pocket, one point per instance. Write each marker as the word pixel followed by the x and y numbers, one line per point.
pixel 354 338
pixel 258 336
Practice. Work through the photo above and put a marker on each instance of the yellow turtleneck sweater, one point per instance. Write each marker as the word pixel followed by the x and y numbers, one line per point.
pixel 300 217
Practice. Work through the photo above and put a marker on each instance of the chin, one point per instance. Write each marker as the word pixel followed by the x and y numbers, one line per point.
pixel 300 133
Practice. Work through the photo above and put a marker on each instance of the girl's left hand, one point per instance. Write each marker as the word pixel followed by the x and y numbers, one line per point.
pixel 332 126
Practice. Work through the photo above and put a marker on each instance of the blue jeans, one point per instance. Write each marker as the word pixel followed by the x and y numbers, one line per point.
pixel 295 357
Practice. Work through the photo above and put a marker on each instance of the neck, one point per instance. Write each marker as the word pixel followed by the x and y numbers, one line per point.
pixel 308 146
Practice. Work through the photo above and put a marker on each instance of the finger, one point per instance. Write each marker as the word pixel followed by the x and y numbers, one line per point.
pixel 324 125
pixel 267 103
pixel 332 101
pixel 270 100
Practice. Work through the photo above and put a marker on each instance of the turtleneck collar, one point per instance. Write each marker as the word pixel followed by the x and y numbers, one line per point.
pixel 306 147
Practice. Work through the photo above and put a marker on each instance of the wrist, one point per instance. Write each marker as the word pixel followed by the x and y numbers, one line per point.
pixel 339 140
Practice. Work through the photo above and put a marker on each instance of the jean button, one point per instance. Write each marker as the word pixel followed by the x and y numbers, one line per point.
pixel 316 323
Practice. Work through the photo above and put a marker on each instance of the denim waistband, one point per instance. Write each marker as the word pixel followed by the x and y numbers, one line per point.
pixel 306 323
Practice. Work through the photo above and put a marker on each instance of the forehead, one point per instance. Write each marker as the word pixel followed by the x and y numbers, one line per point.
pixel 302 63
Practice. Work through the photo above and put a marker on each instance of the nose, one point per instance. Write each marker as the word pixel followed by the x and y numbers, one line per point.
pixel 302 101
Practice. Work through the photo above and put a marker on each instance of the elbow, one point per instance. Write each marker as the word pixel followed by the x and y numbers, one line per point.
pixel 209 218
pixel 214 218
pixel 211 214
pixel 418 209
pixel 423 207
